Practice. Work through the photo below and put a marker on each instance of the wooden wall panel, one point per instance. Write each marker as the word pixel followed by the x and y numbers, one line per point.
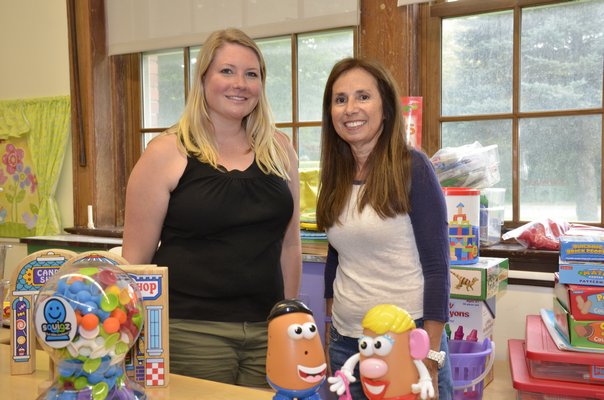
pixel 389 34
pixel 95 174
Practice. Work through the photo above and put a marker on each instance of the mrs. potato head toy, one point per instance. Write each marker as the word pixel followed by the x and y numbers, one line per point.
pixel 391 351
pixel 295 361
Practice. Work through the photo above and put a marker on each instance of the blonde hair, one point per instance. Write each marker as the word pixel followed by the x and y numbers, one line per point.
pixel 194 128
pixel 388 318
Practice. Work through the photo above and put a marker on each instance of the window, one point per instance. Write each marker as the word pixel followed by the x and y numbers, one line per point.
pixel 297 69
pixel 529 79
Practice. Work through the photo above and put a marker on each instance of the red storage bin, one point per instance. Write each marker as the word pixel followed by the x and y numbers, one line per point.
pixel 530 388
pixel 546 361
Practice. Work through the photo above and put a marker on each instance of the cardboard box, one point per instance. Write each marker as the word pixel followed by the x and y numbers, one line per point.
pixel 581 273
pixel 583 302
pixel 479 281
pixel 582 248
pixel 148 362
pixel 466 316
pixel 583 334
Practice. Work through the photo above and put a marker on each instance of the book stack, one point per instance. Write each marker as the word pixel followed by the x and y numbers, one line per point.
pixel 563 351
pixel 313 241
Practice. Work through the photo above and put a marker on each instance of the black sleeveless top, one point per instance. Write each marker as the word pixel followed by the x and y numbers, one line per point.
pixel 221 241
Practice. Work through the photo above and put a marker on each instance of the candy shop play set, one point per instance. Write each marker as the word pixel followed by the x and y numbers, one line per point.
pixel 103 322
pixel 562 354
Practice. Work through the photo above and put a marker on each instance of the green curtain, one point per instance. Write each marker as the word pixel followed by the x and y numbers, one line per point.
pixel 36 130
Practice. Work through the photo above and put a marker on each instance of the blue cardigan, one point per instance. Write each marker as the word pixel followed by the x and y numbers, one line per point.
pixel 429 220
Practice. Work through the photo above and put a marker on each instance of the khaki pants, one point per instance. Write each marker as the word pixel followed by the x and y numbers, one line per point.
pixel 228 352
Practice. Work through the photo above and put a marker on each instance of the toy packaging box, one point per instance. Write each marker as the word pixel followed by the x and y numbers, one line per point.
pixel 581 273
pixel 148 363
pixel 582 248
pixel 582 302
pixel 479 281
pixel 584 334
pixel 471 319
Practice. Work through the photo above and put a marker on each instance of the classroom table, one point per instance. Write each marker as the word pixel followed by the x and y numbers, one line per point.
pixel 28 387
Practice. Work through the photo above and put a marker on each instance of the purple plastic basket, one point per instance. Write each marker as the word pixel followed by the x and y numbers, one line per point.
pixel 469 367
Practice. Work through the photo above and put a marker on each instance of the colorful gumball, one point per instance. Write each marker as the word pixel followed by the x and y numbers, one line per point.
pixel 111 325
pixel 87 316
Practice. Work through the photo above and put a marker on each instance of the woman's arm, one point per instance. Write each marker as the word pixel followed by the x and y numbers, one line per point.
pixel 153 178
pixel 329 275
pixel 291 253
pixel 430 227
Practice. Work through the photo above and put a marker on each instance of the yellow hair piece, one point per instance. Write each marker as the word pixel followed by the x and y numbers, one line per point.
pixel 388 318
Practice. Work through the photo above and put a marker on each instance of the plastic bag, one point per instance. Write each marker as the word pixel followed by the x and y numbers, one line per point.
pixel 470 165
pixel 539 235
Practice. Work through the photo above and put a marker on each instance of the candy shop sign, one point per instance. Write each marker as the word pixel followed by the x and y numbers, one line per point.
pixel 43 274
pixel 149 285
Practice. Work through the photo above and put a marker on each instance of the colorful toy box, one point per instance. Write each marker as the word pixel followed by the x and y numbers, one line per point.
pixel 546 361
pixel 471 319
pixel 582 302
pixel 582 248
pixel 584 334
pixel 581 273
pixel 532 388
pixel 28 278
pixel 148 362
pixel 479 281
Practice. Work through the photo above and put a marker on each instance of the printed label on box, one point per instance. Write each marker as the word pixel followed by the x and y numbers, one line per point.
pixel 582 248
pixel 471 319
pixel 479 281
pixel 581 273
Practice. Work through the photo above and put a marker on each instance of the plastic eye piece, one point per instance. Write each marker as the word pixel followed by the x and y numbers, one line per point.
pixel 310 330
pixel 295 331
pixel 366 346
pixel 382 345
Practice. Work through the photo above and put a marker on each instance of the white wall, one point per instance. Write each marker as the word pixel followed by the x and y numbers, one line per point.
pixel 35 63
pixel 513 305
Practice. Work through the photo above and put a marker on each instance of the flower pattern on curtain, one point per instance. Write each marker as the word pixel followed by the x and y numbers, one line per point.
pixel 33 141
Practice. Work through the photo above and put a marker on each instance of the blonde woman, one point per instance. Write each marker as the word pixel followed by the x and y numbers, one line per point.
pixel 216 199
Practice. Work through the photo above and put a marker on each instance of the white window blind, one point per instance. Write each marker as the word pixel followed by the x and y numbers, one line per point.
pixel 143 25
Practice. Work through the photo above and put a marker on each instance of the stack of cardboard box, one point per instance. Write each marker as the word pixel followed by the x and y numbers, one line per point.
pixel 472 307
pixel 579 291
pixel 562 354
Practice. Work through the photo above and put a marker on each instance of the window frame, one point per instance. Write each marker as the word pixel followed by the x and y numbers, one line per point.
pixel 431 45
pixel 295 124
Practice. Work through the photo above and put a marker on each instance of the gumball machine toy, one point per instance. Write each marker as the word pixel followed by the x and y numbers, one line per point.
pixel 87 317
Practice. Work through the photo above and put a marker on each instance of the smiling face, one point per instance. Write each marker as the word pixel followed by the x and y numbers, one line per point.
pixel 295 359
pixel 356 109
pixel 232 83
pixel 54 311
pixel 386 366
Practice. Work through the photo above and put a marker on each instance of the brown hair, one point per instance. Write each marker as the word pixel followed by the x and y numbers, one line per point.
pixel 388 180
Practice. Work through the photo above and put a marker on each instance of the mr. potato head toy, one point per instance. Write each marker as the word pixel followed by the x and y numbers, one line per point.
pixel 295 361
pixel 391 351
